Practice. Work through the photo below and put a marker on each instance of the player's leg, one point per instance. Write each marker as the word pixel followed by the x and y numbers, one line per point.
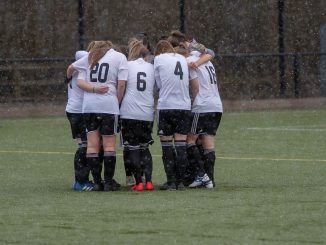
pixel 166 139
pixel 208 143
pixel 93 148
pixel 146 160
pixel 182 128
pixel 108 131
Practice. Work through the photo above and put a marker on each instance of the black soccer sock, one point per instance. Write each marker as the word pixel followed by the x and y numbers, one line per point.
pixel 196 164
pixel 168 160
pixel 181 159
pixel 109 165
pixel 76 168
pixel 136 169
pixel 209 163
pixel 147 163
pixel 84 168
pixel 127 161
pixel 96 166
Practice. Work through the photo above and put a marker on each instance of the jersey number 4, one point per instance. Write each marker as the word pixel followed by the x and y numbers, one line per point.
pixel 178 70
pixel 99 73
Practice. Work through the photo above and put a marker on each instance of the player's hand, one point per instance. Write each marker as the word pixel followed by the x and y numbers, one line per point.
pixel 193 65
pixel 102 89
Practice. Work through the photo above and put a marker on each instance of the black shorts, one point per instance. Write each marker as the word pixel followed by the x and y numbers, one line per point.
pixel 77 125
pixel 205 123
pixel 107 124
pixel 172 122
pixel 136 132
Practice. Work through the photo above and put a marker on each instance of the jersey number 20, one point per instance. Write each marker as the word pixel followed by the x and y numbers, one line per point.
pixel 100 73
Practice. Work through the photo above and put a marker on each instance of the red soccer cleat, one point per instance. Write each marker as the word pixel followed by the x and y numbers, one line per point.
pixel 138 187
pixel 149 186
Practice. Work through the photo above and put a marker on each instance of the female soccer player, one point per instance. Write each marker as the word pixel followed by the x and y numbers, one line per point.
pixel 78 130
pixel 103 80
pixel 207 111
pixel 173 80
pixel 137 115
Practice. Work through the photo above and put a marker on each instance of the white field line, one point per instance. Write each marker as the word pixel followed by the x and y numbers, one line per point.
pixel 158 155
pixel 287 129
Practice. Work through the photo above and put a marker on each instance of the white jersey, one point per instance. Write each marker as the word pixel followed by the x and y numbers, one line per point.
pixel 172 78
pixel 138 101
pixel 208 98
pixel 109 69
pixel 75 94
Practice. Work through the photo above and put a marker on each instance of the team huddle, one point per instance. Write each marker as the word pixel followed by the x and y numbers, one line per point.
pixel 115 90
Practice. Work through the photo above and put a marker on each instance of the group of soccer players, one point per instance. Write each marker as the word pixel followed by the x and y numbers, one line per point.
pixel 112 91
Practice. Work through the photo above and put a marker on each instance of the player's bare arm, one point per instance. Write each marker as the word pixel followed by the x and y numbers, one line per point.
pixel 84 85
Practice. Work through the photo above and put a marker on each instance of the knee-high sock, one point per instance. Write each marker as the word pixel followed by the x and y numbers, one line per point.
pixel 96 166
pixel 127 161
pixel 209 162
pixel 181 159
pixel 147 163
pixel 109 165
pixel 196 164
pixel 82 168
pixel 136 169
pixel 168 160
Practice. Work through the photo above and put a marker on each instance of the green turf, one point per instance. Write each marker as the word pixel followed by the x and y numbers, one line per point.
pixel 271 185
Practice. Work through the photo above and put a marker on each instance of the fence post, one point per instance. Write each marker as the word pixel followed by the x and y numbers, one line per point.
pixel 182 15
pixel 281 47
pixel 296 74
pixel 323 60
pixel 81 11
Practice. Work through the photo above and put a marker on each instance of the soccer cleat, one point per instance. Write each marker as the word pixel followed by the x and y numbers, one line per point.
pixel 98 187
pixel 149 186
pixel 88 186
pixel 181 187
pixel 138 187
pixel 110 186
pixel 130 180
pixel 116 183
pixel 203 181
pixel 168 187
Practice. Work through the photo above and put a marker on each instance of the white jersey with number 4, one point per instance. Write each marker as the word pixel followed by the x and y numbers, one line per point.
pixel 138 101
pixel 208 98
pixel 172 78
pixel 109 69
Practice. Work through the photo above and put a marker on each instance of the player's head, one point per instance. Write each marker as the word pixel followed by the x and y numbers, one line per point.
pixel 98 51
pixel 80 53
pixel 142 36
pixel 176 37
pixel 162 47
pixel 182 49
pixel 90 45
pixel 137 50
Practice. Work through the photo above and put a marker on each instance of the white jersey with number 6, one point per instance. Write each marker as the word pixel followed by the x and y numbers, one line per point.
pixel 208 98
pixel 138 101
pixel 172 78
pixel 109 69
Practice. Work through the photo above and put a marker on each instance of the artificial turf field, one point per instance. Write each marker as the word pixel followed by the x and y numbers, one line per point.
pixel 271 185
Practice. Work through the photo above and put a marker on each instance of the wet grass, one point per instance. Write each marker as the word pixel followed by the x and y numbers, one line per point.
pixel 271 188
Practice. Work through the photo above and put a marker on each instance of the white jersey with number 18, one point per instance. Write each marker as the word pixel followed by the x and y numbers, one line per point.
pixel 208 98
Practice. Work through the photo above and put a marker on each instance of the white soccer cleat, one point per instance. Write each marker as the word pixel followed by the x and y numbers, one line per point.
pixel 202 181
